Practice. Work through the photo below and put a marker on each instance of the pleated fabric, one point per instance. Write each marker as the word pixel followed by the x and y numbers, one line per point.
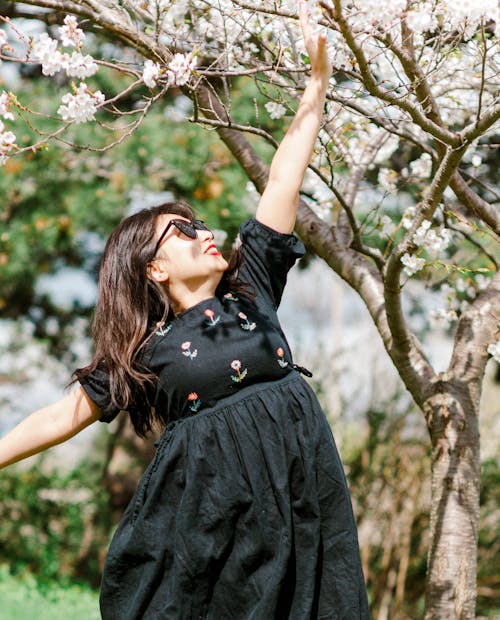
pixel 243 513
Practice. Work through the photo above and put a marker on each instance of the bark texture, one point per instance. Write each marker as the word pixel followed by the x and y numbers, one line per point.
pixel 452 564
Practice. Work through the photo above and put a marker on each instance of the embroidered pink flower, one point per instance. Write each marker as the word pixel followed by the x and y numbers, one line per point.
pixel 247 325
pixel 192 396
pixel 186 350
pixel 230 297
pixel 238 378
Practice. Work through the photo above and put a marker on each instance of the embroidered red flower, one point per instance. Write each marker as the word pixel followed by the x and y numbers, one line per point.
pixel 212 319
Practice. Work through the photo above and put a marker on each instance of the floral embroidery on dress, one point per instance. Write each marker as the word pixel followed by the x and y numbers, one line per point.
pixel 281 357
pixel 186 350
pixel 162 330
pixel 194 400
pixel 212 318
pixel 247 325
pixel 236 365
pixel 230 297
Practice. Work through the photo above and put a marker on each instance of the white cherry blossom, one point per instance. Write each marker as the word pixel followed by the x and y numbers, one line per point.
pixel 80 66
pixel 388 226
pixel 429 238
pixel 407 219
pixel 422 166
pixel 482 281
pixel 387 180
pixel 181 67
pixel 442 316
pixel 5 107
pixel 7 143
pixel 45 50
pixel 275 110
pixel 71 35
pixel 412 264
pixel 81 106
pixel 150 73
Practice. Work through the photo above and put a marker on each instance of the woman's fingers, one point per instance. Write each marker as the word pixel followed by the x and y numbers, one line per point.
pixel 315 43
pixel 307 30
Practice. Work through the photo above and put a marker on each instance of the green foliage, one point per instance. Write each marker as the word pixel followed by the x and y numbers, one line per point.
pixel 488 600
pixel 53 195
pixel 23 599
pixel 54 525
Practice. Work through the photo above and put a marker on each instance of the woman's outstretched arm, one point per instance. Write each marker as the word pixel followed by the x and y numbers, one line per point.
pixel 278 204
pixel 48 426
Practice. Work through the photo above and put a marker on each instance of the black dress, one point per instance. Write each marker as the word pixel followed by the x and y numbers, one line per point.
pixel 244 511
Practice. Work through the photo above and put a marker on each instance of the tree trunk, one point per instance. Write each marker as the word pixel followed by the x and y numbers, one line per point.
pixel 452 559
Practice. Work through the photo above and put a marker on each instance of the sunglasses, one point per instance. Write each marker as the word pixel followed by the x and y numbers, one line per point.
pixel 190 229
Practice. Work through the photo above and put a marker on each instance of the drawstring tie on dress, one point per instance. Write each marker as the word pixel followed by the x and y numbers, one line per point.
pixel 302 370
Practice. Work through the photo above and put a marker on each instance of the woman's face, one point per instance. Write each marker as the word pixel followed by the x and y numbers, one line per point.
pixel 181 260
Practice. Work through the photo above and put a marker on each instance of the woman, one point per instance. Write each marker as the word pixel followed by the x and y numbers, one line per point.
pixel 244 511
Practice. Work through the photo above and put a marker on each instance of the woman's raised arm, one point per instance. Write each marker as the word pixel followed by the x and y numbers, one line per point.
pixel 48 426
pixel 278 204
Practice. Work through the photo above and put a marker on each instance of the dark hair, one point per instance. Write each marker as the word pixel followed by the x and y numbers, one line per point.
pixel 130 307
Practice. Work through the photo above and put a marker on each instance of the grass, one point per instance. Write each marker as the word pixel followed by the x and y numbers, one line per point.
pixel 23 598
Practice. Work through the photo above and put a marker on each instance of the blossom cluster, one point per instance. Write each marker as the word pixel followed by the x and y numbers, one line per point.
pixel 80 106
pixel 7 138
pixel 7 143
pixel 178 72
pixel 53 60
pixel 427 237
pixel 412 263
pixel 431 239
pixel 71 35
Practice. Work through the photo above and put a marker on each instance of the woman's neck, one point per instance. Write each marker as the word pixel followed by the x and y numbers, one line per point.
pixel 183 298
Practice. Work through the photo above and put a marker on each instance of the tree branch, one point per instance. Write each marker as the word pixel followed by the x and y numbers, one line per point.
pixel 479 207
pixel 478 327
pixel 446 137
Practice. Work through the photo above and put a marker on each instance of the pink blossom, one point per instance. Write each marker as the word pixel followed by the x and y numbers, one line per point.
pixel 236 364
pixel 185 345
pixel 193 396
pixel 209 313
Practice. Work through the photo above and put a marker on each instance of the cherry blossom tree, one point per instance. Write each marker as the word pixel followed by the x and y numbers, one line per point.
pixel 398 187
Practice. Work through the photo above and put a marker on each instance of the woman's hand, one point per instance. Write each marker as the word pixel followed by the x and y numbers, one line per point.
pixel 315 45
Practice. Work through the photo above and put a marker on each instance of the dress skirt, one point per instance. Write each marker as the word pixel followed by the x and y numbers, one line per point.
pixel 243 513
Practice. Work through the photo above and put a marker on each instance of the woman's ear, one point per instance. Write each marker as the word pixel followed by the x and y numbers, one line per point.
pixel 156 271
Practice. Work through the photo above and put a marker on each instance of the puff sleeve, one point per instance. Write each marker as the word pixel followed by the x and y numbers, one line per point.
pixel 268 256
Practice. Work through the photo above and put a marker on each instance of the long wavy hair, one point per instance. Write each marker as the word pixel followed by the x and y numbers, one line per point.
pixel 130 307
